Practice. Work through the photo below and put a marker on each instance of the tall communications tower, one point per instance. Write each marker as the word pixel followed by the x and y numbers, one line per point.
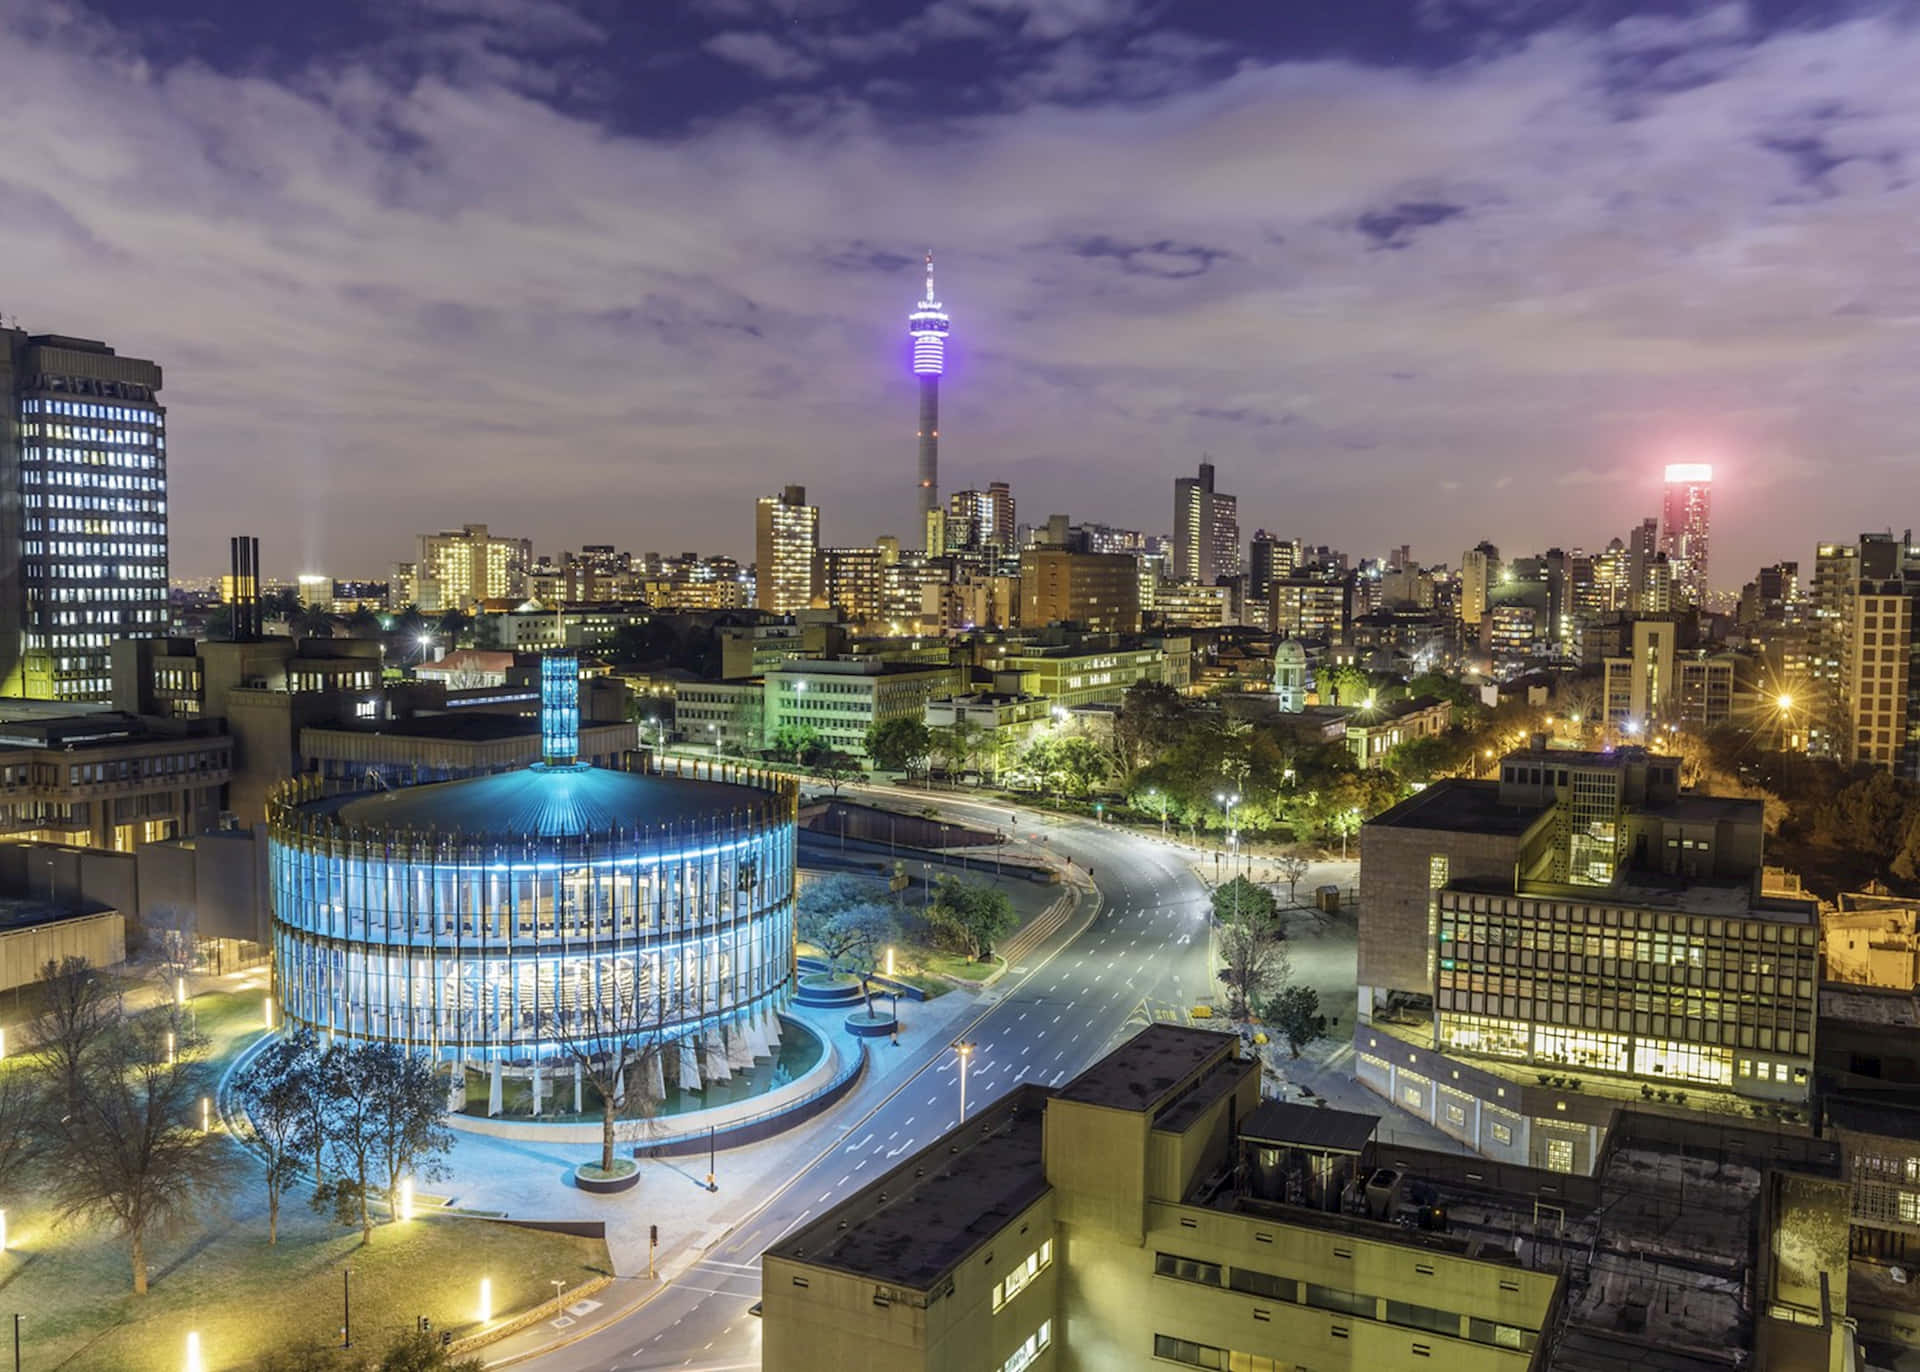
pixel 928 325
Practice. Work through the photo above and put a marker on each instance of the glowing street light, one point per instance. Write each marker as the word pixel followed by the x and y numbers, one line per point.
pixel 889 959
pixel 179 990
pixel 486 1299
pixel 1784 701
pixel 193 1363
pixel 965 1050
pixel 406 1198
pixel 206 1114
pixel 3 1231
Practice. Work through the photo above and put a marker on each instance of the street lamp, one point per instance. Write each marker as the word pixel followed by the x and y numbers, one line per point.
pixel 1233 835
pixel 1161 801
pixel 965 1050
pixel 486 1300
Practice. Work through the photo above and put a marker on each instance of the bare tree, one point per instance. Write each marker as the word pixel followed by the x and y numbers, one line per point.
pixel 21 1139
pixel 611 1020
pixel 349 1087
pixel 78 1009
pixel 844 916
pixel 1292 867
pixel 276 1092
pixel 1253 963
pixel 131 1148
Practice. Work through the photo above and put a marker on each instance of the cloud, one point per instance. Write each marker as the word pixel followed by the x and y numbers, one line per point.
pixel 764 54
pixel 396 295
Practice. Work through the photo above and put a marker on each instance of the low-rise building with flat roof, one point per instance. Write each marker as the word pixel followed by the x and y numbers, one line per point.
pixel 1154 1211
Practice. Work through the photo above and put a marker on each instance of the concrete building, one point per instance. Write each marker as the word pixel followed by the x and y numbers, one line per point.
pixel 1100 592
pixel 1871 940
pixel 108 780
pixel 1094 670
pixel 727 715
pixel 83 476
pixel 1179 605
pixel 1153 1211
pixel 457 570
pixel 1373 734
pixel 1312 607
pixel 982 521
pixel 851 581
pixel 34 933
pixel 1579 914
pixel 1479 573
pixel 786 540
pixel 1206 530
pixel 841 698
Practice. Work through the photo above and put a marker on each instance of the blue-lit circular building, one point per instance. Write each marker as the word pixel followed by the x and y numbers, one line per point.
pixel 498 919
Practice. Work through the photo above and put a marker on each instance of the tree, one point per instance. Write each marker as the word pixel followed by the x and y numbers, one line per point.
pixel 793 742
pixel 363 622
pixel 78 1009
pixel 833 767
pixel 1295 1012
pixel 410 1119
pixel 349 1088
pixel 971 916
pixel 840 915
pixel 310 621
pixel 130 1149
pixel 420 1351
pixel 1153 718
pixel 1241 899
pixel 955 744
pixel 21 1140
pixel 1292 868
pixel 1082 764
pixel 610 1018
pixel 1253 963
pixel 900 745
pixel 275 1092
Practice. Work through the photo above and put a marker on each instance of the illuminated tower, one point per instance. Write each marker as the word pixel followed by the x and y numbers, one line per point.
pixel 928 325
pixel 1683 534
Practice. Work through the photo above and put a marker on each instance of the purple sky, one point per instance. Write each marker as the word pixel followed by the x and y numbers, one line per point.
pixel 1430 273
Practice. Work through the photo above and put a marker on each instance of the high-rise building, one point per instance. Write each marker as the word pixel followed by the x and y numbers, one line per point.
pixel 981 521
pixel 1270 558
pixel 83 467
pixel 928 325
pixel 1206 530
pixel 1683 535
pixel 852 581
pixel 1479 571
pixel 1099 591
pixel 1643 545
pixel 786 535
pixel 457 569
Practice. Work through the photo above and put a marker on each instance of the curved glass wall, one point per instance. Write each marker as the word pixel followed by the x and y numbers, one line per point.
pixel 477 948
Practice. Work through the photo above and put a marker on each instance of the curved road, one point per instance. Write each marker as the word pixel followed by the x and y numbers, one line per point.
pixel 1148 944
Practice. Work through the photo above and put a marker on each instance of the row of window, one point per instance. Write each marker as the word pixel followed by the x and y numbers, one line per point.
pixel 1341 1301
pixel 1023 1274
pixel 89 433
pixel 96 457
pixel 76 409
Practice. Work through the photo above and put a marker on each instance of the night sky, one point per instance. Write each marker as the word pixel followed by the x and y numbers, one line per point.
pixel 600 272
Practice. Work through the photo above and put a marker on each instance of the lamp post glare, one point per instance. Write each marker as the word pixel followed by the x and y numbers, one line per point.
pixel 406 1198
pixel 486 1299
pixel 965 1050
pixel 194 1363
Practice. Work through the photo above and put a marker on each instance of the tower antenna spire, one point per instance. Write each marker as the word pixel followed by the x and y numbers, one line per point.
pixel 928 325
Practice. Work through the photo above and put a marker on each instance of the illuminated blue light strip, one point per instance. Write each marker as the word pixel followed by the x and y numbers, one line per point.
pixel 560 709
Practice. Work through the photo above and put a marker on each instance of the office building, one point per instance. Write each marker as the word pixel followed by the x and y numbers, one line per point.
pixel 83 472
pixel 852 581
pixel 1312 607
pixel 1578 915
pixel 928 326
pixel 458 570
pixel 1100 592
pixel 103 779
pixel 1683 532
pixel 1269 558
pixel 840 698
pixel 981 521
pixel 786 538
pixel 1184 605
pixel 1479 573
pixel 1153 1211
pixel 1206 530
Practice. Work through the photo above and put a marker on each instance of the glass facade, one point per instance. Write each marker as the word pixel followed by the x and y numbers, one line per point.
pixel 473 947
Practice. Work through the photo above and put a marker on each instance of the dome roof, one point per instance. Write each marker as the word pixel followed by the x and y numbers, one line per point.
pixel 548 802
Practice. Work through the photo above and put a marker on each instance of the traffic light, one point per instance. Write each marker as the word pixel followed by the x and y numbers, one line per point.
pixel 653 1235
pixel 446 1338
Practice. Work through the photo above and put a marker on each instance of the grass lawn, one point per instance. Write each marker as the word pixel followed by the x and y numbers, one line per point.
pixel 73 1284
pixel 957 965
pixel 246 1298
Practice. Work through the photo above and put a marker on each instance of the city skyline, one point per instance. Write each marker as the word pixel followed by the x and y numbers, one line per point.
pixel 461 257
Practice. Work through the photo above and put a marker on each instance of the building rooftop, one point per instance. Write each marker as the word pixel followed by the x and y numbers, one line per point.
pixel 1651 891
pixel 1182 1113
pixel 543 802
pixel 1310 1127
pixel 918 1222
pixel 1457 805
pixel 1869 1005
pixel 25 912
pixel 1156 1060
